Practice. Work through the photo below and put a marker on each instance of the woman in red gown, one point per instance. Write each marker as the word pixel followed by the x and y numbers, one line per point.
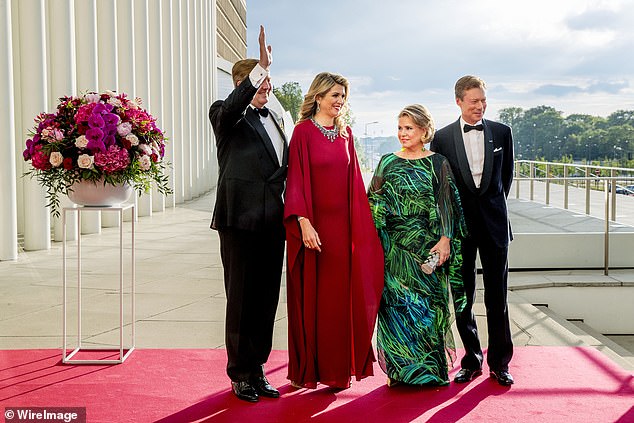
pixel 335 259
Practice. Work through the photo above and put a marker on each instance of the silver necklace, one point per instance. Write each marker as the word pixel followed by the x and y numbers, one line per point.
pixel 331 134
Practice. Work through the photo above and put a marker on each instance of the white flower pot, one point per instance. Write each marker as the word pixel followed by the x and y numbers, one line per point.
pixel 89 193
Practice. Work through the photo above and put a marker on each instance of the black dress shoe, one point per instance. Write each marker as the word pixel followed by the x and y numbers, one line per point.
pixel 264 388
pixel 467 375
pixel 245 391
pixel 503 377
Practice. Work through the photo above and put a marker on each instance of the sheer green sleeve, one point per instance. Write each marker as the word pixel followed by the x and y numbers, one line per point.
pixel 378 201
pixel 452 221
pixel 453 226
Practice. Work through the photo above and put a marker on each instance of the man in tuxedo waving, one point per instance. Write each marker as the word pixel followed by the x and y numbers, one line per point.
pixel 480 152
pixel 248 214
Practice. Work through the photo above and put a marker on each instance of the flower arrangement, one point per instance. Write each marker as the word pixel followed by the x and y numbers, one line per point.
pixel 100 137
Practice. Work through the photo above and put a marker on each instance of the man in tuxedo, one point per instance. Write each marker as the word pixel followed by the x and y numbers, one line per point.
pixel 480 153
pixel 248 214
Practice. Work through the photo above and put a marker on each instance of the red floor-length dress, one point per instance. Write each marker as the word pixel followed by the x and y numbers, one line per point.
pixel 333 296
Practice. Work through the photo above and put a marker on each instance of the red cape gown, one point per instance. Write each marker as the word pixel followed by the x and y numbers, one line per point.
pixel 332 296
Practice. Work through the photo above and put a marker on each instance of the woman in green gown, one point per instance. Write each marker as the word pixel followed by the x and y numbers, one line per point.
pixel 416 210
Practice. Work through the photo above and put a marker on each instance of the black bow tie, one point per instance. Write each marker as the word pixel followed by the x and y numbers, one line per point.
pixel 467 127
pixel 264 112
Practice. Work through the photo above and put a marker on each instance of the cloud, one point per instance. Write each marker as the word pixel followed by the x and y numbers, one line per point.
pixel 557 90
pixel 608 87
pixel 574 55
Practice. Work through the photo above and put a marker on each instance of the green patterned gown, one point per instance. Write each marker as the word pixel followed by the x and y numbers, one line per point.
pixel 415 202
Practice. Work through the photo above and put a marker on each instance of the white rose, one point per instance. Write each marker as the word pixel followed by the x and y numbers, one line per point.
pixel 145 162
pixel 81 141
pixel 56 158
pixel 92 98
pixel 133 139
pixel 85 161
pixel 115 101
pixel 145 149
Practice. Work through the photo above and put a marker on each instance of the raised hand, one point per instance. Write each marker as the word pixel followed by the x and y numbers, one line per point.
pixel 266 58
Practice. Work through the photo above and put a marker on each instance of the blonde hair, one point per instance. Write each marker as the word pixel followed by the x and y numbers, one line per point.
pixel 421 117
pixel 320 86
pixel 241 69
pixel 466 83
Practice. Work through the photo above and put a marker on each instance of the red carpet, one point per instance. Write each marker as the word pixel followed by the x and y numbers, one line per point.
pixel 553 384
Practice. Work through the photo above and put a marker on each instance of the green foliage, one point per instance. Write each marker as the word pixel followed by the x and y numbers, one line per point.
pixel 544 133
pixel 291 98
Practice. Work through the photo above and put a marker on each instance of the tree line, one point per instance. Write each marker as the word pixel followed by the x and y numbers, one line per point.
pixel 543 133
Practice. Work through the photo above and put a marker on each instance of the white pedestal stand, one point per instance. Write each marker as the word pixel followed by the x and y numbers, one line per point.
pixel 68 358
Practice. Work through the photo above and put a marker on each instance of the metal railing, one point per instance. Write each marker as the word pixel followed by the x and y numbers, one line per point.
pixel 612 181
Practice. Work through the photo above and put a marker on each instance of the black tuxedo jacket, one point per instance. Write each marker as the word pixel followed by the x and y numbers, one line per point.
pixel 251 180
pixel 484 207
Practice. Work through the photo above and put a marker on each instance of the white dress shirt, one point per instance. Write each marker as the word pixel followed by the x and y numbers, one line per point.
pixel 474 146
pixel 257 77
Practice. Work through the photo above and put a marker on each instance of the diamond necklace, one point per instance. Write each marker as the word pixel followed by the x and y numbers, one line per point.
pixel 331 134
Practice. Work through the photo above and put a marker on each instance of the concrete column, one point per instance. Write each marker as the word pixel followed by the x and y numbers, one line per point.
pixel 32 27
pixel 186 96
pixel 213 89
pixel 8 172
pixel 156 81
pixel 107 57
pixel 107 68
pixel 168 95
pixel 142 78
pixel 208 77
pixel 125 63
pixel 62 80
pixel 202 99
pixel 194 87
pixel 87 77
pixel 178 136
pixel 125 47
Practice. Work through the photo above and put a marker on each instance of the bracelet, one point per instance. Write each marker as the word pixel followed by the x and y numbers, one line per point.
pixel 300 218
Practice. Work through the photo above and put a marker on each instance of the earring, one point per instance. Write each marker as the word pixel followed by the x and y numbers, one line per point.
pixel 317 111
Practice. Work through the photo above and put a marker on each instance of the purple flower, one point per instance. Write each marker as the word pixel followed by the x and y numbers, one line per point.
pixel 30 149
pixel 109 140
pixel 111 119
pixel 95 140
pixel 99 108
pixel 95 121
pixel 94 134
pixel 109 130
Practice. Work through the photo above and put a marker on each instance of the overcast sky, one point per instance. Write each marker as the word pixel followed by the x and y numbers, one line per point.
pixel 574 55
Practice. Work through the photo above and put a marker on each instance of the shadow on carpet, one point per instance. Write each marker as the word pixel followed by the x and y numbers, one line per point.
pixel 554 384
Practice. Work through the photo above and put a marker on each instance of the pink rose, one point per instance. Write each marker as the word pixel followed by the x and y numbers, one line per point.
pixel 145 162
pixel 132 139
pixel 124 128
pixel 92 98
